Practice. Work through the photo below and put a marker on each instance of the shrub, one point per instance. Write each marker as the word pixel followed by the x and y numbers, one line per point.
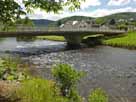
pixel 39 90
pixel 10 69
pixel 68 78
pixel 98 95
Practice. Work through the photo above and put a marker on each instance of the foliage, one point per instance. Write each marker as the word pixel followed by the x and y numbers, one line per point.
pixel 98 95
pixel 39 90
pixel 122 26
pixel 128 41
pixel 53 5
pixel 9 69
pixel 67 78
pixel 25 22
pixel 100 21
pixel 10 11
pixel 112 22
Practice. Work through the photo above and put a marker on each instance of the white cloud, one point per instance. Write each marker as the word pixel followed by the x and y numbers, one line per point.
pixel 97 13
pixel 118 2
pixel 104 12
pixel 88 3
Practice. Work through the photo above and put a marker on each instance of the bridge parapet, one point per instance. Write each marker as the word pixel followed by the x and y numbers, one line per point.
pixel 57 29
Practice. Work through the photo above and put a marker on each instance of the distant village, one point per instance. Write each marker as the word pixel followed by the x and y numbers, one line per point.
pixel 122 24
pixel 82 24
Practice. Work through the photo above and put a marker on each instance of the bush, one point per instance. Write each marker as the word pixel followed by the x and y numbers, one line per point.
pixel 68 78
pixel 39 90
pixel 98 95
pixel 10 69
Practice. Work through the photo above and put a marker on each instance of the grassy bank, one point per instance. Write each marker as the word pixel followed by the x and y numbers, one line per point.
pixel 128 41
pixel 54 38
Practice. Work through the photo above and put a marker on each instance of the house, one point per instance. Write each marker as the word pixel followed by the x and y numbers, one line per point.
pixel 84 24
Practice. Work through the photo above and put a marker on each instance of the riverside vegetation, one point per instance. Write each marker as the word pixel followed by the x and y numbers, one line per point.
pixel 128 41
pixel 30 89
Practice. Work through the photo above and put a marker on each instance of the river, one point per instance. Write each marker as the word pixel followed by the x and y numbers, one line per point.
pixel 112 69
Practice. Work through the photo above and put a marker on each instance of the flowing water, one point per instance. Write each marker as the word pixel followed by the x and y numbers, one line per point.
pixel 112 69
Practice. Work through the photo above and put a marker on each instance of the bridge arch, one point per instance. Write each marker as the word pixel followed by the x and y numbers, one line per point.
pixel 76 40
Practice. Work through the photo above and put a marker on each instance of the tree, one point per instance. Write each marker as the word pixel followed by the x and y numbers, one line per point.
pixel 112 22
pixel 25 22
pixel 53 5
pixel 10 10
pixel 59 23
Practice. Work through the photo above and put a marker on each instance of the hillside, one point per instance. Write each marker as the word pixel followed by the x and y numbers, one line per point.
pixel 72 18
pixel 118 16
pixel 41 22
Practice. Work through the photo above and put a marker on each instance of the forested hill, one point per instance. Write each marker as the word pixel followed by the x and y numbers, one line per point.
pixel 41 22
pixel 127 16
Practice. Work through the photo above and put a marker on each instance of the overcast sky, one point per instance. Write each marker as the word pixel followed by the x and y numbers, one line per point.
pixel 92 8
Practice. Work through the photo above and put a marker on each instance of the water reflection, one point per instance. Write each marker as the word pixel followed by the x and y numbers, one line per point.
pixel 28 45
pixel 26 38
pixel 2 39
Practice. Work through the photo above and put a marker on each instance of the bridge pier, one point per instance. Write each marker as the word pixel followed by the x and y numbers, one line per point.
pixel 73 41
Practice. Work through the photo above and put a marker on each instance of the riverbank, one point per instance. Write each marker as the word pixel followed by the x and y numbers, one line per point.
pixel 7 88
pixel 128 41
pixel 54 38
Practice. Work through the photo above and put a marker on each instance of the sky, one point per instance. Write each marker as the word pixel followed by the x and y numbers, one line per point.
pixel 91 8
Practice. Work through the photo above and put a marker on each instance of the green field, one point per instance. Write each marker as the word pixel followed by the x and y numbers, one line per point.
pixel 128 41
pixel 54 38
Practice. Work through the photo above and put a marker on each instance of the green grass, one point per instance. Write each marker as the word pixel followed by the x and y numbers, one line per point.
pixel 54 38
pixel 128 41
pixel 98 95
pixel 39 90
